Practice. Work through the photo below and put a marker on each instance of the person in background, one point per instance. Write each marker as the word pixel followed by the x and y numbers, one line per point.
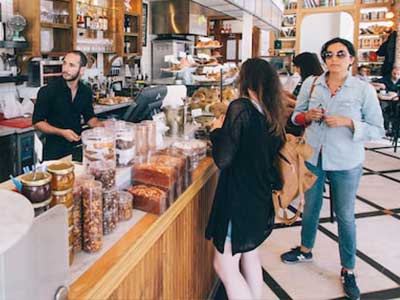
pixel 60 105
pixel 306 64
pixel 341 114
pixel 389 83
pixel 363 73
pixel 388 50
pixel 245 145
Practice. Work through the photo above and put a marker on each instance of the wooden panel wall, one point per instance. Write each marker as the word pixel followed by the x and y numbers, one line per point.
pixel 179 264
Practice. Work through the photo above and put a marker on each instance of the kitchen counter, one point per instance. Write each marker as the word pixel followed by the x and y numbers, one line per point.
pixel 4 130
pixel 99 108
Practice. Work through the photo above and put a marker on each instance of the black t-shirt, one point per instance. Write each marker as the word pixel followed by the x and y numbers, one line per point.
pixel 245 152
pixel 54 104
pixel 390 85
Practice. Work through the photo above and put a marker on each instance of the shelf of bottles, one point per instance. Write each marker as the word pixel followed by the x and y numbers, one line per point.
pixel 95 29
pixel 131 33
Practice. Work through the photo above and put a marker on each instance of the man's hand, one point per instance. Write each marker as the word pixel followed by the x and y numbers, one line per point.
pixel 314 114
pixel 70 135
pixel 338 121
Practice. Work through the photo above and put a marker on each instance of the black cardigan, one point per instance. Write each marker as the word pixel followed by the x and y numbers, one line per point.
pixel 245 152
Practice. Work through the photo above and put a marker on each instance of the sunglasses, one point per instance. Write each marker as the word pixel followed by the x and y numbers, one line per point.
pixel 329 54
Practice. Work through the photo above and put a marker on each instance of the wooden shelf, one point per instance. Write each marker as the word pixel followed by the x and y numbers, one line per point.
pixel 370 62
pixel 12 44
pixel 131 34
pixel 288 39
pixel 369 36
pixel 367 49
pixel 374 21
pixel 56 25
pixel 290 11
pixel 131 14
pixel 374 5
pixel 322 9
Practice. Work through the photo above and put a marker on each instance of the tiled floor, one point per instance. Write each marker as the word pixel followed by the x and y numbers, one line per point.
pixel 378 242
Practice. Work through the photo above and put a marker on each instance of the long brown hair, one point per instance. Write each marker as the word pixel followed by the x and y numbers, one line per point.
pixel 259 76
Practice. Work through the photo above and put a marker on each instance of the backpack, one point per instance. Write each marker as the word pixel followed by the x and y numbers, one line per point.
pixel 296 178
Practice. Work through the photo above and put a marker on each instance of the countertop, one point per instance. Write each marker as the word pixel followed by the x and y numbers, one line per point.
pixel 98 109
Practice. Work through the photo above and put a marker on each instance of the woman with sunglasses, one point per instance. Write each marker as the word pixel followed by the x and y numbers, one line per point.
pixel 340 115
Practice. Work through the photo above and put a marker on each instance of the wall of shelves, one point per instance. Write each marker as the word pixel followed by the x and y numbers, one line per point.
pixel 370 25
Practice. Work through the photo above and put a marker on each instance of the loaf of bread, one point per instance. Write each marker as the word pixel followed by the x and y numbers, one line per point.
pixel 158 175
pixel 149 198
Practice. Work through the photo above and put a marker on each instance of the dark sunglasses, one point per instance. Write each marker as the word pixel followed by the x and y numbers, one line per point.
pixel 329 54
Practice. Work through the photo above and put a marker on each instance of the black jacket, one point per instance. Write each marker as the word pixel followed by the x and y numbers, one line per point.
pixel 245 152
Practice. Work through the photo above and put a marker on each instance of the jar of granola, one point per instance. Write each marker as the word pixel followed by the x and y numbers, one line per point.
pixel 92 204
pixel 124 206
pixel 62 175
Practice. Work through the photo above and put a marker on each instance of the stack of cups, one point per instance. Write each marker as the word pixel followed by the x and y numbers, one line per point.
pixel 62 182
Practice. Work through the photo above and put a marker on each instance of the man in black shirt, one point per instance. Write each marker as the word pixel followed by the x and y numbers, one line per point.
pixel 60 105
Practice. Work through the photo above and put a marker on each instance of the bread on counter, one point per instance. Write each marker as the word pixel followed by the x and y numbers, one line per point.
pixel 149 198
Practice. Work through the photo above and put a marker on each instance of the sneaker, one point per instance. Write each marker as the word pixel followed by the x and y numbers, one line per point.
pixel 349 285
pixel 295 256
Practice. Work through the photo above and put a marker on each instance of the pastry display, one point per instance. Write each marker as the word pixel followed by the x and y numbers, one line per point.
pixel 114 100
pixel 195 148
pixel 208 44
pixel 149 198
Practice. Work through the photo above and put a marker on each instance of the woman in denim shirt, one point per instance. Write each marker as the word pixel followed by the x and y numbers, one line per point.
pixel 340 115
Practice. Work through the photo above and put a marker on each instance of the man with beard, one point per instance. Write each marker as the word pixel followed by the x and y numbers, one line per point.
pixel 61 104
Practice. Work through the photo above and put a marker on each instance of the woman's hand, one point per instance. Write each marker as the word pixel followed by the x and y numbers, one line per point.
pixel 314 114
pixel 217 123
pixel 338 121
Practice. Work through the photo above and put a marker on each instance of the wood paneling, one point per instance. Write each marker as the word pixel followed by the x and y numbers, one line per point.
pixel 166 258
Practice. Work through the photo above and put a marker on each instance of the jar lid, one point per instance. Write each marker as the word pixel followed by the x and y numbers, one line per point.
pixel 61 168
pixel 36 179
pixel 42 204
pixel 61 193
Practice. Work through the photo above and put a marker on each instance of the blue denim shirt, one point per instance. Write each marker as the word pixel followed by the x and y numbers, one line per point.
pixel 341 148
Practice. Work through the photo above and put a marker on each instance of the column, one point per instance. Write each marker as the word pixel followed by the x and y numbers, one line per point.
pixel 247 32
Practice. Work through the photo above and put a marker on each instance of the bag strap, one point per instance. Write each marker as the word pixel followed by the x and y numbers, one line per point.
pixel 313 86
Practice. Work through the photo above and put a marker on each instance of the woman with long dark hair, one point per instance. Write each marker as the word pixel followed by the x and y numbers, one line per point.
pixel 245 146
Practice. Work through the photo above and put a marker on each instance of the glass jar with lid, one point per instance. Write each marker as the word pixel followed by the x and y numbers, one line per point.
pixel 125 143
pixel 92 205
pixel 63 197
pixel 62 175
pixel 36 186
pixel 124 205
pixel 105 172
pixel 98 145
pixel 151 134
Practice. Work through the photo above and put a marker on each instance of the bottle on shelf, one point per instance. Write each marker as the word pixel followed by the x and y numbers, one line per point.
pixel 127 24
pixel 80 22
pixel 88 19
pixel 105 20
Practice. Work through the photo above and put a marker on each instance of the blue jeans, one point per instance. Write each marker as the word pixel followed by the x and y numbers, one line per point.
pixel 344 185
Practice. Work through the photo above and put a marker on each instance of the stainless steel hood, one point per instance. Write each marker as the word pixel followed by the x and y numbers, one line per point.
pixel 178 17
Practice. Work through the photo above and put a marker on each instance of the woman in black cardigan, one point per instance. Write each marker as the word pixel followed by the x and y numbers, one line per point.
pixel 245 146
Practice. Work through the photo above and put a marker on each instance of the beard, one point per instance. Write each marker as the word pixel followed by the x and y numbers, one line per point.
pixel 72 77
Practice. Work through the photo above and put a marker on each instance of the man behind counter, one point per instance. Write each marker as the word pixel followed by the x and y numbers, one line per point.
pixel 60 105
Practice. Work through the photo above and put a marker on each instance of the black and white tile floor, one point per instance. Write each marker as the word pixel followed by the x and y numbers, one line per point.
pixel 378 242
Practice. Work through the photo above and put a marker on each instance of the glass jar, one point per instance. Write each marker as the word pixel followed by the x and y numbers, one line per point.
pixel 98 145
pixel 36 186
pixel 71 255
pixel 109 222
pixel 105 172
pixel 151 135
pixel 124 206
pixel 125 146
pixel 92 204
pixel 63 197
pixel 76 218
pixel 62 175
pixel 141 140
pixel 40 208
pixel 110 200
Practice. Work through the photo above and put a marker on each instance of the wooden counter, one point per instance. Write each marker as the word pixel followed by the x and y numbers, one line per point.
pixel 161 257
